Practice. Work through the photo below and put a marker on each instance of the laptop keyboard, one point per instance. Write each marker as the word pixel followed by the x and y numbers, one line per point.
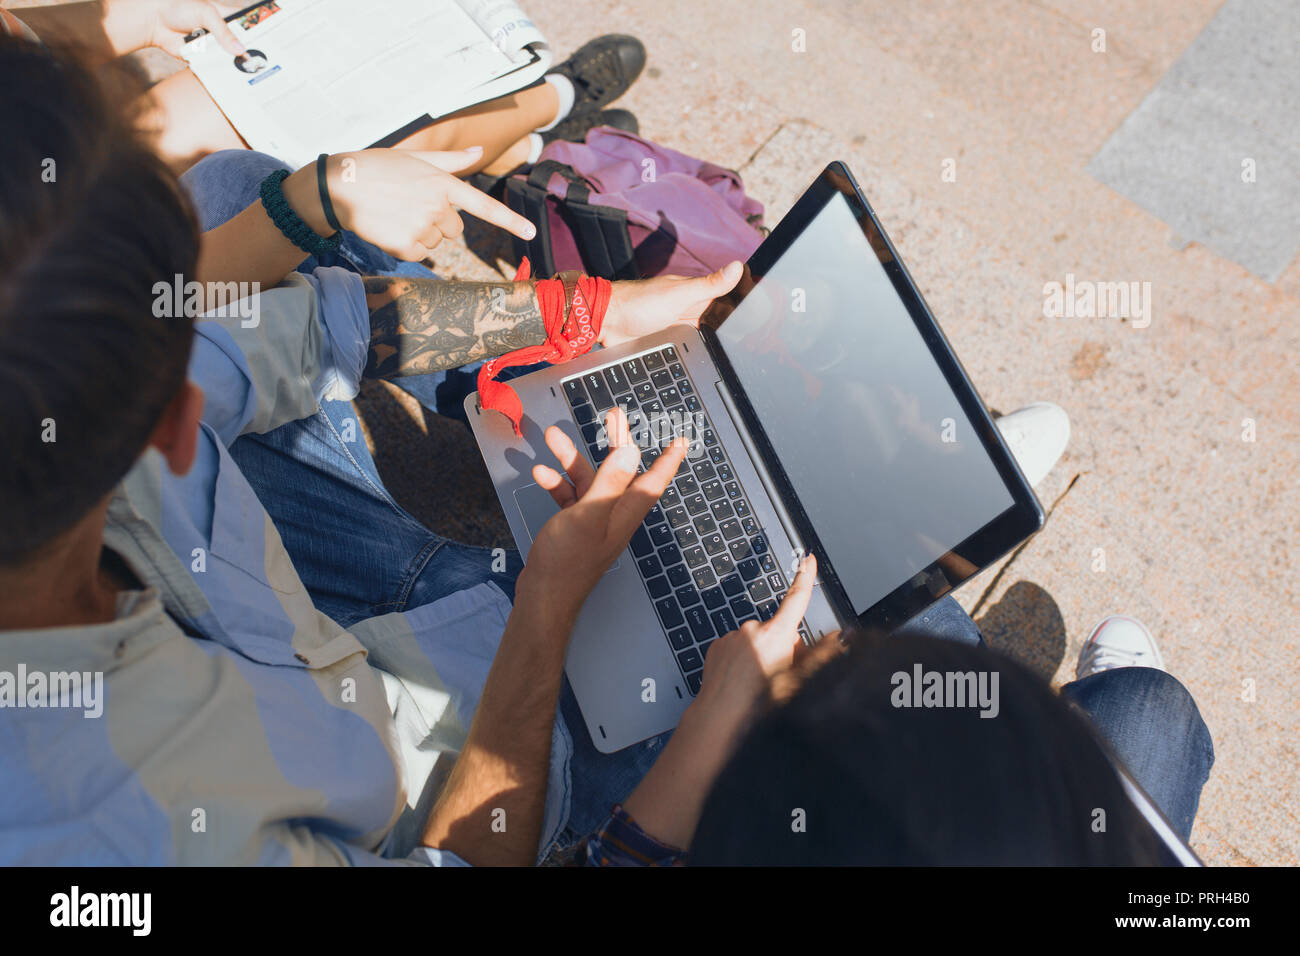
pixel 704 559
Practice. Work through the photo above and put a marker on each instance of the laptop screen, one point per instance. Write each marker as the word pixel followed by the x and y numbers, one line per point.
pixel 886 464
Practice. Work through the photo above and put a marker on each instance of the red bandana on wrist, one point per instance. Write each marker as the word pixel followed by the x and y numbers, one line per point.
pixel 567 337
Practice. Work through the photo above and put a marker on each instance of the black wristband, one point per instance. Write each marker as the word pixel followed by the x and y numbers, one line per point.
pixel 288 221
pixel 324 188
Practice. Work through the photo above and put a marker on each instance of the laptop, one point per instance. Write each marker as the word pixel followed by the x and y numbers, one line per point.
pixel 826 413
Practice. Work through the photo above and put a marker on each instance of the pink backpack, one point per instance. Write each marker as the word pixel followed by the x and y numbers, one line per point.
pixel 621 207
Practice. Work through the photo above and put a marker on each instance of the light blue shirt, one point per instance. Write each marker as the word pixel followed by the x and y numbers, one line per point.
pixel 239 724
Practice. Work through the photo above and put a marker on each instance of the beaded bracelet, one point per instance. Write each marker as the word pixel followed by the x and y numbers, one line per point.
pixel 289 223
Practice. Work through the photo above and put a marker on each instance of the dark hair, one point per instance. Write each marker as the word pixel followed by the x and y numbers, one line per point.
pixel 879 784
pixel 90 221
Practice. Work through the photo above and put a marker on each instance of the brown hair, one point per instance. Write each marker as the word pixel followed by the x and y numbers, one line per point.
pixel 90 221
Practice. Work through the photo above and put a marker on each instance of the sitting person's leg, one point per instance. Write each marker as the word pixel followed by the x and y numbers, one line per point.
pixel 188 125
pixel 1149 719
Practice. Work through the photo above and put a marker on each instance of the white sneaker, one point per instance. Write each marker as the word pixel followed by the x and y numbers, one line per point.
pixel 1037 435
pixel 1118 641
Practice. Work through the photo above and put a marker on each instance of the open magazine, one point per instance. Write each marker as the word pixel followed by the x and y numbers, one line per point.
pixel 329 76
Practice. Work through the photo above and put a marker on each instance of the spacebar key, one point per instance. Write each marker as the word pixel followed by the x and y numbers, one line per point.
pixel 698 619
pixel 669 612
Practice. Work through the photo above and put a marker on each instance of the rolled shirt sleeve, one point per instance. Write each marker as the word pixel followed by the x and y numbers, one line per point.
pixel 276 356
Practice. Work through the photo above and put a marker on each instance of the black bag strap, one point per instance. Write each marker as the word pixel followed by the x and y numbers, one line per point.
pixel 600 232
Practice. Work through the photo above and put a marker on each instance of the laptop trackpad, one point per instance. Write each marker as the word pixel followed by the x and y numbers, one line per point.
pixel 536 507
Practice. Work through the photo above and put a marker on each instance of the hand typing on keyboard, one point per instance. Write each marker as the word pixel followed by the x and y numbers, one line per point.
pixel 599 511
pixel 742 672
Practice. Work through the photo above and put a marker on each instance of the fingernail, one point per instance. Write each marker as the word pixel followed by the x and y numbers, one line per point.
pixel 473 149
pixel 529 231
pixel 626 456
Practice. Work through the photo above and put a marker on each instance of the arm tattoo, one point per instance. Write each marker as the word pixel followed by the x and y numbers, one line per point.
pixel 425 325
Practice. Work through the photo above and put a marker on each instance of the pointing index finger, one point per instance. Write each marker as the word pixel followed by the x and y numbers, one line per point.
pixel 796 601
pixel 483 206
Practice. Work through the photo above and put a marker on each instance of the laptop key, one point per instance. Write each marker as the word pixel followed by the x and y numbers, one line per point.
pixel 671 497
pixel 697 619
pixel 677 517
pixel 661 535
pixel 775 583
pixel 685 387
pixel 713 598
pixel 690 660
pixel 635 370
pixel 616 380
pixel 669 613
pixel 641 545
pixel 731 529
pixel 740 550
pixel 654 516
pixel 712 489
pixel 767 610
pixel 713 544
pixel 694 681
pixel 695 557
pixel 743 609
pixel 703 578
pixel 704 649
pixel 678 370
pixel 653 361
pixel 704 470
pixel 600 394
pixel 644 391
pixel 696 504
pixel 723 622
pixel 742 507
pixel 768 563
pixel 759 543
pixel 669 555
pixel 680 638
pixel 722 509
pixel 749 569
pixel 705 524
pixel 687 485
pixel 692 403
pixel 659 587
pixel 733 490
pixel 649 566
pixel 574 392
pixel 759 591
pixel 679 576
pixel 584 413
pixel 733 585
pixel 717 455
pixel 687 596
pixel 723 564
pixel 672 400
pixel 686 537
pixel 662 378
pixel 750 526
pixel 669 354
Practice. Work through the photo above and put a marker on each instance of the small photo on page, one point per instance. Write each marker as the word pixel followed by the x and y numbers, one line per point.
pixel 255 63
pixel 251 18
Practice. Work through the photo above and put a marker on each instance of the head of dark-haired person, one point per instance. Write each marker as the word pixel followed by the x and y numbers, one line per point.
pixel 844 774
pixel 90 222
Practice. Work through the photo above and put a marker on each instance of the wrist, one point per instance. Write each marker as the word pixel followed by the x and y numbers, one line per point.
pixel 545 606
pixel 303 195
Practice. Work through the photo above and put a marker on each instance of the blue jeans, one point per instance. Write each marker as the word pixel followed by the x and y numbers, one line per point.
pixel 359 554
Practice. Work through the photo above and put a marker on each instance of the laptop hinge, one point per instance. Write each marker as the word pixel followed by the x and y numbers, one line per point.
pixel 756 460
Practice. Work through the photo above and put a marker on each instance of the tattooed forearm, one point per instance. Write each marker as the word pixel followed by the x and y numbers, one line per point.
pixel 425 325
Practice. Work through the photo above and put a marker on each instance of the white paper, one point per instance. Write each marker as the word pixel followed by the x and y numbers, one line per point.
pixel 329 76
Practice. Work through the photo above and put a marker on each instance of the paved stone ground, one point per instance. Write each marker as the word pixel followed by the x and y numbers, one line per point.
pixel 1196 527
